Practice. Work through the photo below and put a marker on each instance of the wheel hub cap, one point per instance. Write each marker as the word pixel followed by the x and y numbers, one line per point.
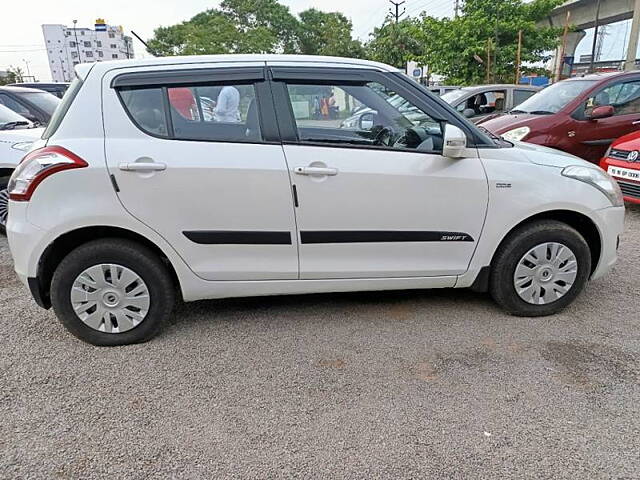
pixel 4 206
pixel 110 298
pixel 545 273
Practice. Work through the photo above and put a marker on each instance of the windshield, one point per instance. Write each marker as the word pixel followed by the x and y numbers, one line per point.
pixel 43 100
pixel 554 98
pixel 454 95
pixel 9 117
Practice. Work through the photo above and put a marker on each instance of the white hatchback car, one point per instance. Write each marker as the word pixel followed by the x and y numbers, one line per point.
pixel 224 176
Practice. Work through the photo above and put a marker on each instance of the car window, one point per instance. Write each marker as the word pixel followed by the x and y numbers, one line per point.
pixel 12 104
pixel 367 114
pixel 146 108
pixel 484 103
pixel 219 113
pixel 227 113
pixel 623 97
pixel 520 96
pixel 43 100
pixel 555 97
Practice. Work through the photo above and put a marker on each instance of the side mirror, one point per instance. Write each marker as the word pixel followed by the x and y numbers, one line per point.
pixel 367 121
pixel 468 112
pixel 455 142
pixel 603 111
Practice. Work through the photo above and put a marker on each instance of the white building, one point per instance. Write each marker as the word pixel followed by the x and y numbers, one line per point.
pixel 68 46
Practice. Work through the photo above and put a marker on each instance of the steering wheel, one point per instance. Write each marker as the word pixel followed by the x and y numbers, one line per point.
pixel 384 137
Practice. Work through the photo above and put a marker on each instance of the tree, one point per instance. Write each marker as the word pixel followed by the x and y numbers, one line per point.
pixel 14 74
pixel 324 33
pixel 451 46
pixel 238 26
pixel 394 43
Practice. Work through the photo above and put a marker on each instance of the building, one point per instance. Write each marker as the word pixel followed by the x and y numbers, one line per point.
pixel 68 46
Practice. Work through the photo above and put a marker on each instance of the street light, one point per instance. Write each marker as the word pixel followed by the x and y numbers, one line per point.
pixel 27 64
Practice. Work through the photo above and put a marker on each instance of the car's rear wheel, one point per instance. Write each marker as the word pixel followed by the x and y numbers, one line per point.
pixel 4 203
pixel 540 269
pixel 112 292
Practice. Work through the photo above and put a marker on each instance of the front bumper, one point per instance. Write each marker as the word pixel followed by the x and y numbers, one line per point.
pixel 610 223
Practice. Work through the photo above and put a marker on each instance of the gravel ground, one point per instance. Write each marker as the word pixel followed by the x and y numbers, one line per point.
pixel 437 384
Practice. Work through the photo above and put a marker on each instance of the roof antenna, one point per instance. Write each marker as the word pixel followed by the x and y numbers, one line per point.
pixel 149 49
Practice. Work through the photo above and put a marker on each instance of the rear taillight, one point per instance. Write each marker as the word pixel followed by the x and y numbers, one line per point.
pixel 38 165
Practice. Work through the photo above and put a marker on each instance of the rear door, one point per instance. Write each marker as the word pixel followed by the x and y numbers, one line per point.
pixel 196 156
pixel 375 196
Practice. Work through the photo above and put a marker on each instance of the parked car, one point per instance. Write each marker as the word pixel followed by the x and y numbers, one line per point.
pixel 17 134
pixel 441 89
pixel 35 105
pixel 484 101
pixel 108 218
pixel 622 162
pixel 580 115
pixel 56 88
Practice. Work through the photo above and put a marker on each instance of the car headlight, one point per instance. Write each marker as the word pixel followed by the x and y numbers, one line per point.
pixel 516 134
pixel 22 146
pixel 598 178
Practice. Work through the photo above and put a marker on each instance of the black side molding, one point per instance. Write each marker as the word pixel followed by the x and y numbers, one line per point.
pixel 375 236
pixel 232 237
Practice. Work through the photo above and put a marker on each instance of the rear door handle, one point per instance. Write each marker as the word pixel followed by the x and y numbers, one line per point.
pixel 316 171
pixel 143 167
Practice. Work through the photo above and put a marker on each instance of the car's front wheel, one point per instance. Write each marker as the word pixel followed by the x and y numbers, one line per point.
pixel 112 292
pixel 540 269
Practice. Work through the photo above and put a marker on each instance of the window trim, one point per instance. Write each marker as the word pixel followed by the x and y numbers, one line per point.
pixel 280 77
pixel 220 76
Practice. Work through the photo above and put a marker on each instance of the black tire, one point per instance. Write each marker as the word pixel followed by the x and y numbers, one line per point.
pixel 516 245
pixel 4 199
pixel 126 253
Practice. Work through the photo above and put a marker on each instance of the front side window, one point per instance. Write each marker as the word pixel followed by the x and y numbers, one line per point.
pixel 623 97
pixel 483 103
pixel 367 114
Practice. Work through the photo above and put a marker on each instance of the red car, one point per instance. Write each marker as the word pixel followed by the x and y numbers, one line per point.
pixel 580 115
pixel 622 161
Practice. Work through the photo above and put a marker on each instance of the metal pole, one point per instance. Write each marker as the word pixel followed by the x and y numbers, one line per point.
pixel 27 64
pixel 595 37
pixel 560 60
pixel 632 47
pixel 518 57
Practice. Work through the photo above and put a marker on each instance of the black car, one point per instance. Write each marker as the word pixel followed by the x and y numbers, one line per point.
pixel 35 105
pixel 56 89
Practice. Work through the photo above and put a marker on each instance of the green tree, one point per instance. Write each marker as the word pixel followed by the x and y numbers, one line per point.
pixel 395 43
pixel 451 46
pixel 14 74
pixel 238 26
pixel 323 33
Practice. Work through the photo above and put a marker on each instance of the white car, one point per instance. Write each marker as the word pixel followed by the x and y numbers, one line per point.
pixel 17 134
pixel 133 198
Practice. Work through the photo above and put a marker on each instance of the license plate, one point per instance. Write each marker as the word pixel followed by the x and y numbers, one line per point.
pixel 625 173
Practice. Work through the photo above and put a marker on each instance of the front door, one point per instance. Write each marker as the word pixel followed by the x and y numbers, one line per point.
pixel 375 197
pixel 594 136
pixel 195 157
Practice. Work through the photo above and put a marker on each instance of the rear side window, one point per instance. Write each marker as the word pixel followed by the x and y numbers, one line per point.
pixel 62 108
pixel 146 108
pixel 520 96
pixel 216 112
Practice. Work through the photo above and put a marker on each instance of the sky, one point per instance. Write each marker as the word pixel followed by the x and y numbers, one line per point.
pixel 21 33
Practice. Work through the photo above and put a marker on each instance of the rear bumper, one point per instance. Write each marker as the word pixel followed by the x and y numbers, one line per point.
pixel 610 223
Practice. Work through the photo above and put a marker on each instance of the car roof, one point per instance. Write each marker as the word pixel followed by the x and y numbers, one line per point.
pixel 13 89
pixel 38 84
pixel 602 75
pixel 498 85
pixel 292 60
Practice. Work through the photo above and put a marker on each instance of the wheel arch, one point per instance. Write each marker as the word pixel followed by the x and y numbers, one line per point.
pixel 580 222
pixel 65 243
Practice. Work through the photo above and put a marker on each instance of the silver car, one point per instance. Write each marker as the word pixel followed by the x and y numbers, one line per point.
pixel 486 101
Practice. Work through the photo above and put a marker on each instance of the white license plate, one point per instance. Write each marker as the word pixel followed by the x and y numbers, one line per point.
pixel 624 173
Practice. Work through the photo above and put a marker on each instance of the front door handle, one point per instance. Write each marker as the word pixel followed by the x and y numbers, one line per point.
pixel 143 167
pixel 637 122
pixel 316 171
